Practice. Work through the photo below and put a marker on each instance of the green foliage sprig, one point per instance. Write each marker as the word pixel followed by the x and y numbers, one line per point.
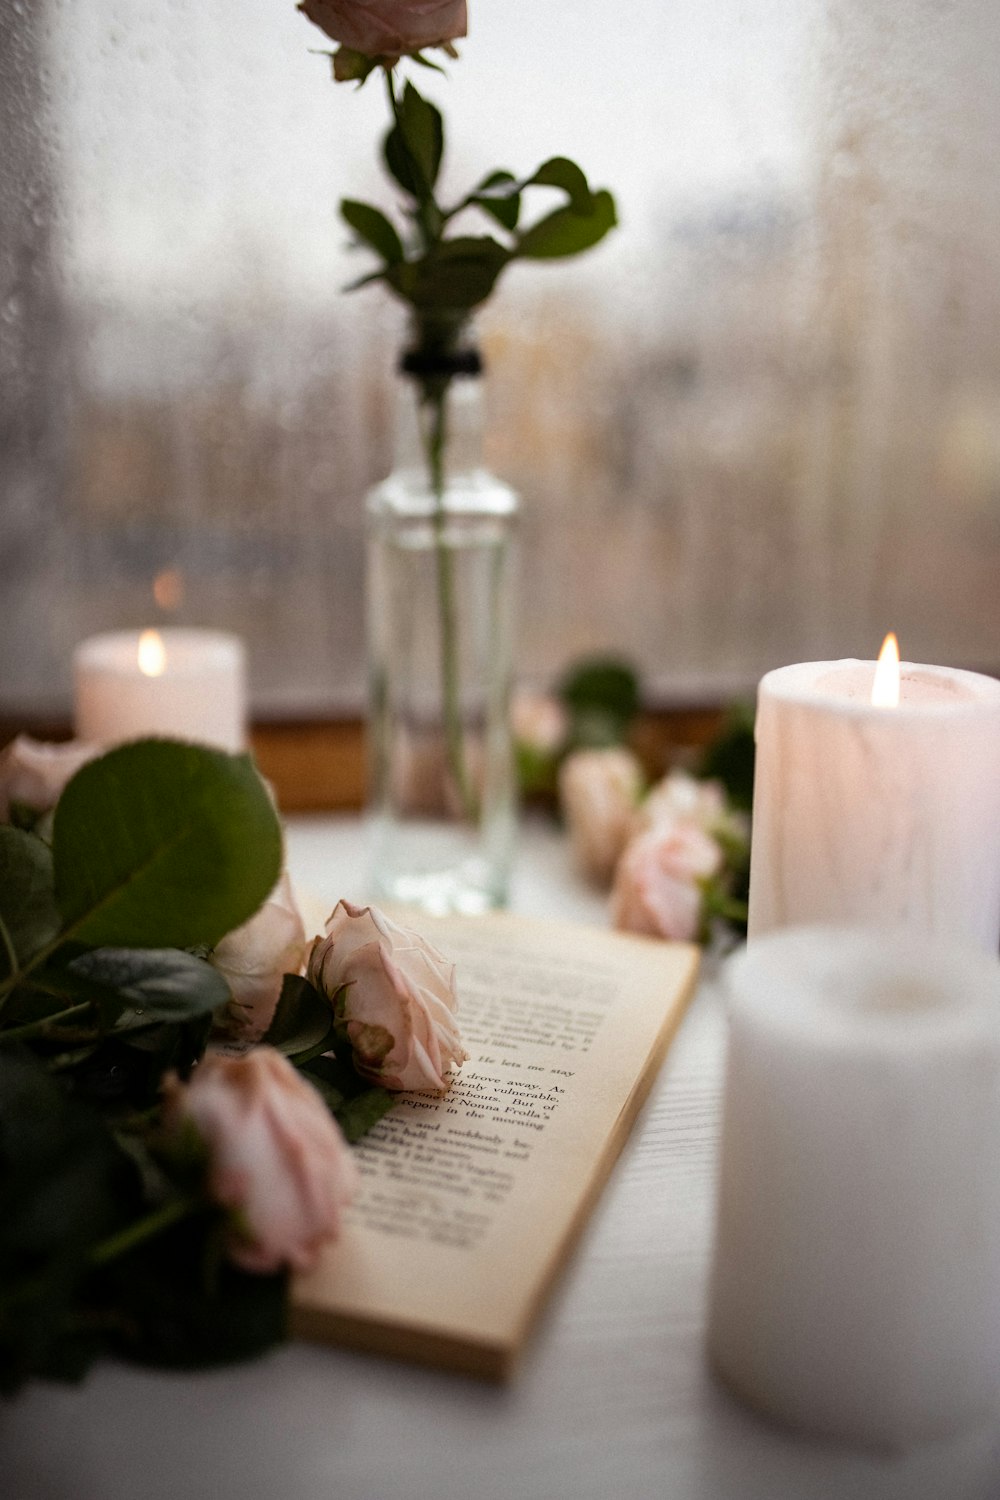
pixel 443 277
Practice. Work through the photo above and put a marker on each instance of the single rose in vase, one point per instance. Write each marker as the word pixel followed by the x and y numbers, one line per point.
pixel 388 29
pixel 395 995
pixel 276 1157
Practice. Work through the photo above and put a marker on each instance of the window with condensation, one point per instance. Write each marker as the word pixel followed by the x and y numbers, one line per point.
pixel 761 423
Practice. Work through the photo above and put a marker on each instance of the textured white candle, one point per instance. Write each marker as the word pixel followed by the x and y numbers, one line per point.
pixel 876 814
pixel 856 1283
pixel 197 692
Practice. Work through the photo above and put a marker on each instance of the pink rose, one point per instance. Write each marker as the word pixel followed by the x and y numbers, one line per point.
pixel 679 795
pixel 34 772
pixel 682 797
pixel 388 28
pixel 254 960
pixel 656 889
pixel 598 793
pixel 539 722
pixel 400 1002
pixel 277 1158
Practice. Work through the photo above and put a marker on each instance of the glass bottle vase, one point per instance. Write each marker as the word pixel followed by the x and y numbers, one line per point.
pixel 440 600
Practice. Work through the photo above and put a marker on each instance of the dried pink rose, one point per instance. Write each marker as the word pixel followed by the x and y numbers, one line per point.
pixel 254 960
pixel 389 29
pixel 598 793
pixel 277 1158
pixel 656 887
pixel 400 1003
pixel 34 772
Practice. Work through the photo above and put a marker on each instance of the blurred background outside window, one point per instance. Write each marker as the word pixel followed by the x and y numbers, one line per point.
pixel 760 424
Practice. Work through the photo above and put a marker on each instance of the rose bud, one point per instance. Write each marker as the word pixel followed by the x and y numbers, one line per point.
pixel 539 722
pixel 34 772
pixel 598 793
pixel 680 797
pixel 396 995
pixel 254 959
pixel 388 29
pixel 277 1158
pixel 656 888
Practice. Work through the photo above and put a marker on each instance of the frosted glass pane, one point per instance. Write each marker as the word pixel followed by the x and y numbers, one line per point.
pixel 761 424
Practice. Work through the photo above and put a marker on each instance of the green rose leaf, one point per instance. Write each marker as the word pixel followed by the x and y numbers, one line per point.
pixel 425 62
pixel 355 1104
pixel 567 232
pixel 399 162
pixel 537 771
pixel 457 273
pixel 415 145
pixel 350 66
pixel 27 903
pixel 148 985
pixel 303 1021
pixel 64 1185
pixel 357 1116
pixel 423 133
pixel 560 172
pixel 499 195
pixel 183 1306
pixel 372 226
pixel 602 684
pixel 730 757
pixel 160 844
pixel 23 815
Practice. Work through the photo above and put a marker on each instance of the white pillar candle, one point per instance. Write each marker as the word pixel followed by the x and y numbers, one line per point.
pixel 183 684
pixel 865 814
pixel 856 1283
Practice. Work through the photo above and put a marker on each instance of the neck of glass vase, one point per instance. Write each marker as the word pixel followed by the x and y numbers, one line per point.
pixel 439 420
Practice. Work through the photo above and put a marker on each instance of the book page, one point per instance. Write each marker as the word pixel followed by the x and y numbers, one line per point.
pixel 469 1202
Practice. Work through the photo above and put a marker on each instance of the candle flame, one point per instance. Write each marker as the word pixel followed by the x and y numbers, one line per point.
pixel 885 688
pixel 152 655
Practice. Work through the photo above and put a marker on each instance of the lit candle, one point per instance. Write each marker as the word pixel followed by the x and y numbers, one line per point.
pixel 184 684
pixel 856 1276
pixel 877 801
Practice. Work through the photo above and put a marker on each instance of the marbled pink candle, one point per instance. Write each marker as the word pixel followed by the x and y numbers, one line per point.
pixel 877 815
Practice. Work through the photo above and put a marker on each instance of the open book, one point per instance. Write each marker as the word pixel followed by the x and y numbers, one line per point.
pixel 470 1203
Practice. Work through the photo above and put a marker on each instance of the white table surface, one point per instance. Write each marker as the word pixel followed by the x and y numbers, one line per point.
pixel 613 1399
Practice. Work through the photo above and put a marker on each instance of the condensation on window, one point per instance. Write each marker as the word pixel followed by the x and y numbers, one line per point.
pixel 761 423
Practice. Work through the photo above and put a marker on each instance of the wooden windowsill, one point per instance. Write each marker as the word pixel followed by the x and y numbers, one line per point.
pixel 320 765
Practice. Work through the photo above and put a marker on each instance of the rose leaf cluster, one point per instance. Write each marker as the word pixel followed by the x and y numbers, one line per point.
pixel 143 859
pixel 158 1194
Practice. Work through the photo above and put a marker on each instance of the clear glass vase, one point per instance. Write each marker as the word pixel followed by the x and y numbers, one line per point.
pixel 440 599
